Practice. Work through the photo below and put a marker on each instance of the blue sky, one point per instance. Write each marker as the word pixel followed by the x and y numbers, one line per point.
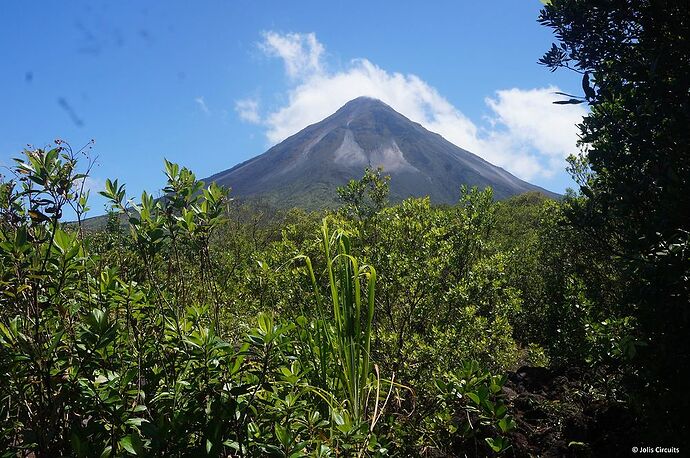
pixel 209 84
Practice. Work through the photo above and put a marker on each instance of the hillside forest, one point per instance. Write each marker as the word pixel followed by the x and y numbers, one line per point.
pixel 191 323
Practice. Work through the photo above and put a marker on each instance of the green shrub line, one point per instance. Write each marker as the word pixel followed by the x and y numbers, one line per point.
pixel 137 343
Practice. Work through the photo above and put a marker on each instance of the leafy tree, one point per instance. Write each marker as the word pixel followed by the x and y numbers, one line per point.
pixel 367 196
pixel 634 175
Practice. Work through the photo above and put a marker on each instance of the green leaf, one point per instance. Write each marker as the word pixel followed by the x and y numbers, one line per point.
pixel 283 435
pixel 127 443
pixel 568 102
pixel 474 397
pixel 20 237
pixel 497 444
pixel 506 424
pixel 338 419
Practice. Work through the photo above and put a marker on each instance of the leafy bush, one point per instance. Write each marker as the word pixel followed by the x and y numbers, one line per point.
pixel 152 340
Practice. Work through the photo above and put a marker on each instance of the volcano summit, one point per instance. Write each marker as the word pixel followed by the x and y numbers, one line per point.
pixel 305 169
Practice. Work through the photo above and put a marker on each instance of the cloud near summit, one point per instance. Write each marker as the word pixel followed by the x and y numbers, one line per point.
pixel 525 132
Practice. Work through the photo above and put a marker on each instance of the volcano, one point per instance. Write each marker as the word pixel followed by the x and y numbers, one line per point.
pixel 305 169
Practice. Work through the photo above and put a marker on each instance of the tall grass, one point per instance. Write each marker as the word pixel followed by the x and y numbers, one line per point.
pixel 347 341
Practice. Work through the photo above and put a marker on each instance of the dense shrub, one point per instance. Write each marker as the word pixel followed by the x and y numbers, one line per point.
pixel 183 333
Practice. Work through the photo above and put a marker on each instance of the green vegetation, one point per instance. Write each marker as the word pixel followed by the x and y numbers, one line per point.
pixel 195 325
pixel 207 327
pixel 177 337
pixel 634 178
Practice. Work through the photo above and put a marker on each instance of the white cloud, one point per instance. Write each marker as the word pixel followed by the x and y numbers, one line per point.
pixel 202 104
pixel 530 124
pixel 91 184
pixel 248 110
pixel 526 133
pixel 301 52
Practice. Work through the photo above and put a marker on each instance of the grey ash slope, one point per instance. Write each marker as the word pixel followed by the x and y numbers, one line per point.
pixel 305 169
